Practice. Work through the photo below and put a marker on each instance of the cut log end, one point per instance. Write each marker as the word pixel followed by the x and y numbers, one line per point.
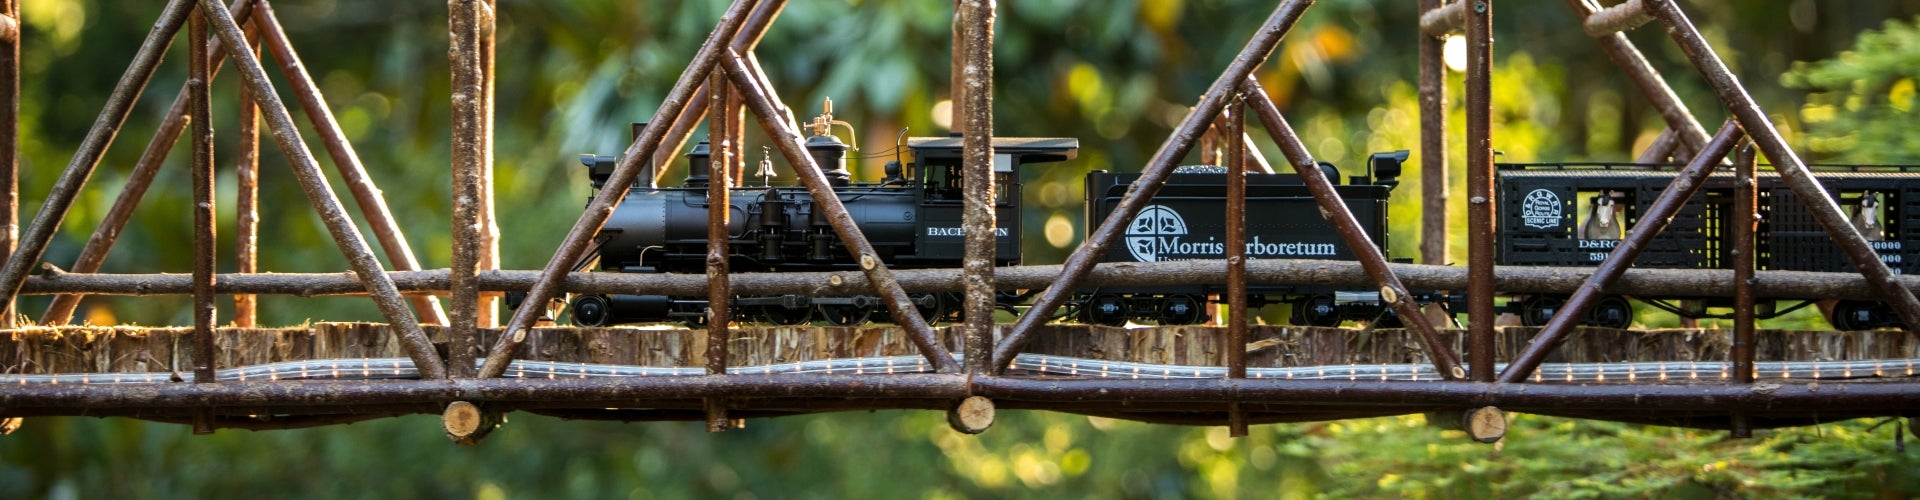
pixel 1485 424
pixel 972 415
pixel 8 425
pixel 466 423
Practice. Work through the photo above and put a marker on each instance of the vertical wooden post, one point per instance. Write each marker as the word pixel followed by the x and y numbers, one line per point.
pixel 488 310
pixel 719 207
pixel 975 85
pixel 10 140
pixel 1481 223
pixel 1233 125
pixel 201 170
pixel 1433 147
pixel 246 172
pixel 466 20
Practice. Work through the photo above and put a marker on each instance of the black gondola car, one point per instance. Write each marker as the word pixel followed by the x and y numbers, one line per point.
pixel 1564 214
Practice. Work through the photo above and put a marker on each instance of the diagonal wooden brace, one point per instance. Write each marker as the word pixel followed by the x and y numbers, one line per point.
pixel 412 339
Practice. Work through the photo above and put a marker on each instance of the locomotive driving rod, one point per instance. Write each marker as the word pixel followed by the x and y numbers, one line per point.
pixel 1658 216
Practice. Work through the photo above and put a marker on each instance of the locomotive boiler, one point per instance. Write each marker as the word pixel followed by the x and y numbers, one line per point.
pixel 912 218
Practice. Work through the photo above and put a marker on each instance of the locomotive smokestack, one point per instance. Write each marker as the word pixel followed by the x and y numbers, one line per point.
pixel 699 165
pixel 827 150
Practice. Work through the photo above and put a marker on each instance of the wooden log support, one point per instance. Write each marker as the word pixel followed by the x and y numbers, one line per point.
pixel 307 171
pixel 624 174
pixel 975 79
pixel 1485 424
pixel 1233 121
pixel 94 252
pixel 1623 17
pixel 33 243
pixel 1434 183
pixel 346 160
pixel 9 144
pixel 1482 220
pixel 469 21
pixel 1746 213
pixel 246 172
pixel 1438 22
pixel 1793 172
pixel 1155 174
pixel 790 144
pixel 200 98
pixel 719 209
pixel 1513 279
pixel 972 415
pixel 466 423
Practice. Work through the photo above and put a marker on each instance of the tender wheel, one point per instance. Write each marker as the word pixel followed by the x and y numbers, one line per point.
pixel 1611 312
pixel 1106 309
pixel 931 308
pixel 1538 309
pixel 846 315
pixel 1851 315
pixel 590 310
pixel 1182 310
pixel 1316 310
pixel 781 315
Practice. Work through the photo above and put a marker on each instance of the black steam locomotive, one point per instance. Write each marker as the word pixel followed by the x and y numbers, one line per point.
pixel 1552 214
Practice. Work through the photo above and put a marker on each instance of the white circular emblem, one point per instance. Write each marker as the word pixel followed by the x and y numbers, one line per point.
pixel 1146 230
pixel 1540 209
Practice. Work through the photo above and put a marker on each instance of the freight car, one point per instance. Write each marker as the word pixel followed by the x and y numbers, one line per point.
pixel 1573 214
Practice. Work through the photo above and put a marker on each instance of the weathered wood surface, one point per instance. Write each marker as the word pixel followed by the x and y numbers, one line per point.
pixel 130 349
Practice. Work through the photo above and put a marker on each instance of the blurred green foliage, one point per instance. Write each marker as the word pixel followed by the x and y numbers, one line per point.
pixel 1116 74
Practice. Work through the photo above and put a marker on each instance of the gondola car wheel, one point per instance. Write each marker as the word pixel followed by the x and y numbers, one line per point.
pixel 1318 310
pixel 1538 309
pixel 1612 311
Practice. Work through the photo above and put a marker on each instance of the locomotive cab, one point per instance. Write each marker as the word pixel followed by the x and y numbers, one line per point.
pixel 938 164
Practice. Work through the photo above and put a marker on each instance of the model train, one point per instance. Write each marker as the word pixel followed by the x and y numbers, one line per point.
pixel 1553 214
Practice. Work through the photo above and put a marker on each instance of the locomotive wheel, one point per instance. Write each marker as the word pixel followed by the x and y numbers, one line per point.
pixel 1182 310
pixel 846 315
pixel 590 310
pixel 1612 311
pixel 1106 309
pixel 1538 309
pixel 781 315
pixel 1316 310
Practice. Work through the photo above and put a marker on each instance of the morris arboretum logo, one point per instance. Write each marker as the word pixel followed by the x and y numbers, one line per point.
pixel 1159 234
pixel 1154 223
pixel 1540 209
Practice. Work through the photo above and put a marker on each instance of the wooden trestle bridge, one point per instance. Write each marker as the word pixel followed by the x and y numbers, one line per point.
pixel 458 363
